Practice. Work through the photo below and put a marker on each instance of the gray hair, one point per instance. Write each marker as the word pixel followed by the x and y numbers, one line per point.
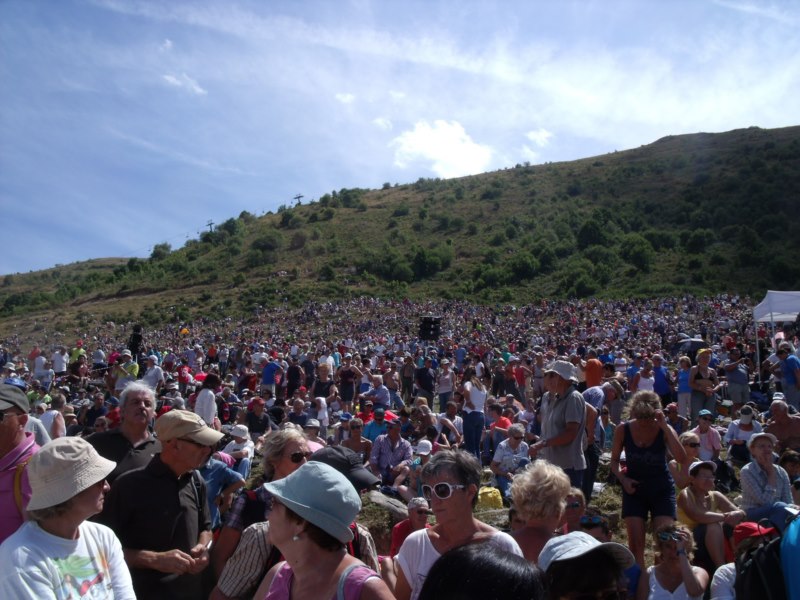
pixel 134 387
pixel 516 428
pixel 274 447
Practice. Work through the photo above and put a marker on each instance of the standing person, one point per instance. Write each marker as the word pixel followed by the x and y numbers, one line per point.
pixel 310 525
pixel 684 389
pixel 789 369
pixel 161 515
pixel 53 419
pixel 206 403
pixel 154 375
pixel 58 553
pixel 647 486
pixel 445 384
pixel 17 447
pixel 737 373
pixel 131 445
pixel 474 400
pixel 451 482
pixel 425 379
pixel 662 380
pixel 563 422
pixel 347 376
pixel 704 383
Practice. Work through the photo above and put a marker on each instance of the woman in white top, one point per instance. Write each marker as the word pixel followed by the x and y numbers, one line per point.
pixel 644 379
pixel 205 404
pixel 474 400
pixel 451 480
pixel 674 578
pixel 57 553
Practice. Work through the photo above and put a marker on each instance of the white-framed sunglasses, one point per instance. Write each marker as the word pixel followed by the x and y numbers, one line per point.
pixel 441 490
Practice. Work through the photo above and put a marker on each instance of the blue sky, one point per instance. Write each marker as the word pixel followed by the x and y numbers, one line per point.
pixel 127 124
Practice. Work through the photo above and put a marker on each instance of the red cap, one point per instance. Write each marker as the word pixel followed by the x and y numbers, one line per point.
pixel 748 529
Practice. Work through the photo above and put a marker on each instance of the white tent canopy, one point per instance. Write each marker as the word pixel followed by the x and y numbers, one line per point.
pixel 777 306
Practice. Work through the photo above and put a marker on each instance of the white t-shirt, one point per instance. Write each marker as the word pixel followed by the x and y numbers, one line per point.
pixel 417 555
pixel 206 405
pixel 59 362
pixel 723 581
pixel 246 446
pixel 154 376
pixel 37 564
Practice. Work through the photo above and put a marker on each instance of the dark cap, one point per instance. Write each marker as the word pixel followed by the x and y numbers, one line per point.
pixel 349 464
pixel 12 396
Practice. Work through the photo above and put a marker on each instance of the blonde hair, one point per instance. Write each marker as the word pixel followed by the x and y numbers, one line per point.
pixel 688 436
pixel 672 528
pixel 275 445
pixel 644 405
pixel 540 491
pixel 685 360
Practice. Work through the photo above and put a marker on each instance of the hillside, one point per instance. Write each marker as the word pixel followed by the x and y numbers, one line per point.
pixel 693 213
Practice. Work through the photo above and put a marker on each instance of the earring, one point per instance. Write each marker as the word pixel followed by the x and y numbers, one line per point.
pixel 295 538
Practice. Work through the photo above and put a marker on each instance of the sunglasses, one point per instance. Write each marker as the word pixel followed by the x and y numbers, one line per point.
pixel 591 521
pixel 355 426
pixel 516 437
pixel 299 456
pixel 441 490
pixel 692 444
pixel 574 505
pixel 666 536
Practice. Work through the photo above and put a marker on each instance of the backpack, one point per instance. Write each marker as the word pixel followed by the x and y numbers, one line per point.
pixel 759 573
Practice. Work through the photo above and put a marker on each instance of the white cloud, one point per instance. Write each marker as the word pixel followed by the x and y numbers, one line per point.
pixel 166 45
pixel 445 144
pixel 185 82
pixel 382 123
pixel 529 154
pixel 540 137
pixel 345 98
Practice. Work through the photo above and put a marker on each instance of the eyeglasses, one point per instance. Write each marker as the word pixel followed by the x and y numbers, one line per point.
pixel 692 444
pixel 574 505
pixel 591 521
pixel 299 456
pixel 355 426
pixel 666 536
pixel 441 490
pixel 516 437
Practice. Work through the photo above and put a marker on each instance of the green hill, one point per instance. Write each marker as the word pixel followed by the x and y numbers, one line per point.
pixel 694 213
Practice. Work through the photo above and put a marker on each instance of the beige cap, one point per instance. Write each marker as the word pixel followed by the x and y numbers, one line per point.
pixel 184 424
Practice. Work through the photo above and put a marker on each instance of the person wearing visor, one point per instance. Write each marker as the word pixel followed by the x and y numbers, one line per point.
pixel 58 553
pixel 161 515
pixel 739 432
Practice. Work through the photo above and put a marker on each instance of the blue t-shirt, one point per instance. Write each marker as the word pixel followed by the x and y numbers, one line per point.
pixel 217 476
pixel 788 367
pixel 268 376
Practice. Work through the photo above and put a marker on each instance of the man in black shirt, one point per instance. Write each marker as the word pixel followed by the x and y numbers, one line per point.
pixel 131 445
pixel 160 513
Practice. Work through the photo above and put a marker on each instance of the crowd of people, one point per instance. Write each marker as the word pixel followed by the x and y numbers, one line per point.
pixel 151 436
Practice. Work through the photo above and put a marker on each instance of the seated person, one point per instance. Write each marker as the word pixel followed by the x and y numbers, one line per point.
pixel 510 457
pixel 413 486
pixel 418 513
pixel 597 526
pixel 709 514
pixel 241 449
pixel 391 456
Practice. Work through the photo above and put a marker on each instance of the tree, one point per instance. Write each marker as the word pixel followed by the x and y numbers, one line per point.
pixel 638 251
pixel 160 251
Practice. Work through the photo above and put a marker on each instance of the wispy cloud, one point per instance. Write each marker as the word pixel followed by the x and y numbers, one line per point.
pixel 166 45
pixel 345 98
pixel 448 149
pixel 768 11
pixel 185 82
pixel 382 123
pixel 176 155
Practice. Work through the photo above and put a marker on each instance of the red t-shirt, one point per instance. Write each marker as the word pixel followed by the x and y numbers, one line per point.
pixel 399 534
pixel 502 422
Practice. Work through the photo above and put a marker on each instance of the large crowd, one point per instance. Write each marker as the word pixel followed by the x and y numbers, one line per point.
pixel 126 452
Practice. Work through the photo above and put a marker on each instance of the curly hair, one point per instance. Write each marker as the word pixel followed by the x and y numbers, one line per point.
pixel 540 491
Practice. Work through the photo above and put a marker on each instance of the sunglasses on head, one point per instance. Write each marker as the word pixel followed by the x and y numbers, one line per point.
pixel 666 536
pixel 441 490
pixel 297 457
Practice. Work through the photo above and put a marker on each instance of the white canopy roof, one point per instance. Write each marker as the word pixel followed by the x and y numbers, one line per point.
pixel 778 306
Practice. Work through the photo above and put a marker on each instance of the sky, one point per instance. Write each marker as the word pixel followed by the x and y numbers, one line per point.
pixel 125 124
